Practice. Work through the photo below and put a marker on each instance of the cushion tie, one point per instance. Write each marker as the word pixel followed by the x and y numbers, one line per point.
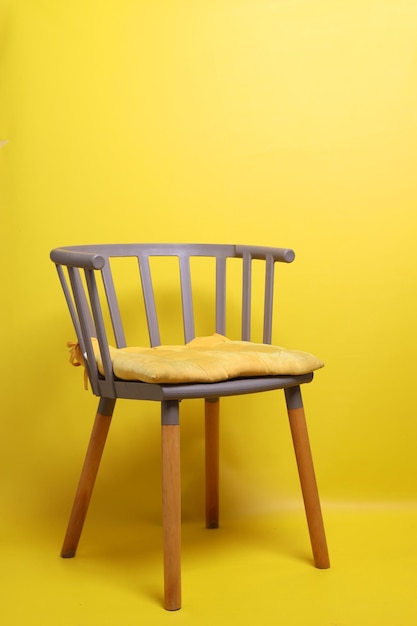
pixel 76 359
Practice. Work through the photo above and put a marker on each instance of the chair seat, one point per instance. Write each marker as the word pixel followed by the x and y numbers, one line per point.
pixel 136 390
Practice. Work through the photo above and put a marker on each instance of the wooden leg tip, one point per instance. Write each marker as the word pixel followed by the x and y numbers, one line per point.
pixel 69 554
pixel 211 525
pixel 322 564
pixel 172 604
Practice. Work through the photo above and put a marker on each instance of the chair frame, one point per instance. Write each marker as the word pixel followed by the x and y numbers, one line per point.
pixel 79 268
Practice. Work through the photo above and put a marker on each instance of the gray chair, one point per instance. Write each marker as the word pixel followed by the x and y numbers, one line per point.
pixel 87 277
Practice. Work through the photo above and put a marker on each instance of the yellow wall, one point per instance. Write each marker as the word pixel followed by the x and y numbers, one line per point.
pixel 276 123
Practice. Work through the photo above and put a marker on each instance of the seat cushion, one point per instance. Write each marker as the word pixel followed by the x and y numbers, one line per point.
pixel 206 359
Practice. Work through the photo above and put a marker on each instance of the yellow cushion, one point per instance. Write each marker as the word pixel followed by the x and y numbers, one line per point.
pixel 206 359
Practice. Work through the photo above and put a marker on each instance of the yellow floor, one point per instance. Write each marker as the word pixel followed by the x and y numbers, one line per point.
pixel 253 570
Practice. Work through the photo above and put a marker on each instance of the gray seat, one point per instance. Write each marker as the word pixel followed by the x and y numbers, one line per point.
pixel 90 277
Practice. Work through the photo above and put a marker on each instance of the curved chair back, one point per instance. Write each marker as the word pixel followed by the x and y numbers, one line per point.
pixel 94 285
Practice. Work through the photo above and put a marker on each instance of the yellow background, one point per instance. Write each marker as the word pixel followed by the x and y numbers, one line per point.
pixel 288 123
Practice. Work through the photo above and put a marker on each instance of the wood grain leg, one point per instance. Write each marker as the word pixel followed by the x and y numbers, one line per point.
pixel 307 478
pixel 212 461
pixel 88 476
pixel 171 515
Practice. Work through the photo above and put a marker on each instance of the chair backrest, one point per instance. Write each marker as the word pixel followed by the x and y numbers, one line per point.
pixel 97 290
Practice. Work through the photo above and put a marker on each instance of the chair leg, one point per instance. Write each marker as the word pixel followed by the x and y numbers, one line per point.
pixel 307 477
pixel 211 406
pixel 171 505
pixel 88 476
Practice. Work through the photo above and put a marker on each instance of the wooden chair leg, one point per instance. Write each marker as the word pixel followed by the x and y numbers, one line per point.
pixel 307 477
pixel 211 406
pixel 171 505
pixel 88 476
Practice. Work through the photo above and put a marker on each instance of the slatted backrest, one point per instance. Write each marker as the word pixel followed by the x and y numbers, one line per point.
pixel 90 289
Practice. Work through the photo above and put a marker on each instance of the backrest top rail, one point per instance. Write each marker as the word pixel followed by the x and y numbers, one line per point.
pixel 93 256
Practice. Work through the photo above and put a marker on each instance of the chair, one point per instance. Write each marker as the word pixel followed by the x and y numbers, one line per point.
pixel 88 278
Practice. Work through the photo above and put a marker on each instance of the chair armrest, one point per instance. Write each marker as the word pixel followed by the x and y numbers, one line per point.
pixel 285 255
pixel 75 258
